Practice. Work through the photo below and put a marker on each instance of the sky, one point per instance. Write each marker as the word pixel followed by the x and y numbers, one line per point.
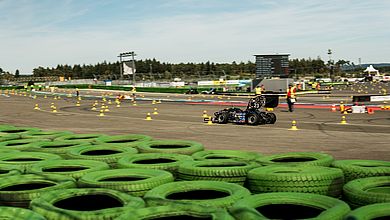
pixel 46 33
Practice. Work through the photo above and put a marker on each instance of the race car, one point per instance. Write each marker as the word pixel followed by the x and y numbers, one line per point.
pixel 252 115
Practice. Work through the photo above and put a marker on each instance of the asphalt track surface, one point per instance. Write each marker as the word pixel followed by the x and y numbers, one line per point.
pixel 364 137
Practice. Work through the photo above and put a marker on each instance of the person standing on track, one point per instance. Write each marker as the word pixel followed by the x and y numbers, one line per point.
pixel 291 97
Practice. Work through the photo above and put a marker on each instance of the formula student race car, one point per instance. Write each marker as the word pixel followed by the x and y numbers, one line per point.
pixel 252 115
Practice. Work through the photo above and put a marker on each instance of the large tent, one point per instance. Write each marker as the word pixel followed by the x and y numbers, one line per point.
pixel 370 70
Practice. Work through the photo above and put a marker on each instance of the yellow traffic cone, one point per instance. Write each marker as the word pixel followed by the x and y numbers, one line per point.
pixel 269 109
pixel 148 117
pixel 118 105
pixel 54 109
pixel 343 120
pixel 36 107
pixel 155 111
pixel 101 113
pixel 205 114
pixel 134 103
pixel 45 97
pixel 55 98
pixel 78 103
pixel 106 109
pixel 93 107
pixel 52 105
pixel 210 121
pixel 293 126
pixel 109 102
pixel 153 102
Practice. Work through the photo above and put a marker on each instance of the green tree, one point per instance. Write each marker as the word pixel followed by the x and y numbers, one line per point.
pixel 17 74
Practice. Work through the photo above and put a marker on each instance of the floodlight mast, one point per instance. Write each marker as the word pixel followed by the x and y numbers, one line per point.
pixel 127 54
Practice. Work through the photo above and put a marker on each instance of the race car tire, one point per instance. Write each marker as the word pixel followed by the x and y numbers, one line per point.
pixel 206 193
pixel 356 169
pixel 170 146
pixel 222 118
pixel 252 119
pixel 85 204
pixel 133 181
pixel 19 190
pixel 287 205
pixel 71 168
pixel 297 159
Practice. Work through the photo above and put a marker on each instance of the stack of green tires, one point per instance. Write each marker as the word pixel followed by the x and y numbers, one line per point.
pixel 356 169
pixel 226 154
pixel 7 137
pixel 22 144
pixel 374 211
pixel 57 147
pixel 13 213
pixel 318 180
pixel 80 137
pixel 218 170
pixel 170 147
pixel 8 170
pixel 135 182
pixel 24 160
pixel 8 129
pixel 127 140
pixel 297 159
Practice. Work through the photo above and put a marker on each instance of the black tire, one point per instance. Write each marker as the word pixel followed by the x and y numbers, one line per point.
pixel 222 118
pixel 79 137
pixel 58 147
pixel 170 146
pixel 297 159
pixel 356 169
pixel 177 212
pixel 319 180
pixel 24 160
pixel 21 144
pixel 13 213
pixel 226 154
pixel 45 134
pixel 123 140
pixel 365 191
pixel 373 211
pixel 94 203
pixel 71 168
pixel 218 170
pixel 135 182
pixel 19 190
pixel 168 162
pixel 252 119
pixel 206 193
pixel 272 117
pixel 284 205
pixel 107 153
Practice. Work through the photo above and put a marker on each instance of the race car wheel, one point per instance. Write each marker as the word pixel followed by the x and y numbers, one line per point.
pixel 252 119
pixel 272 117
pixel 222 118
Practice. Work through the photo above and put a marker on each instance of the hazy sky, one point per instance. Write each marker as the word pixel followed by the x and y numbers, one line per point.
pixel 49 32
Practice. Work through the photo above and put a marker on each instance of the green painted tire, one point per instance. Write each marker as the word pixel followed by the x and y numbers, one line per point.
pixel 71 168
pixel 284 205
pixel 45 134
pixel 177 212
pixel 13 213
pixel 8 137
pixel 369 212
pixel 127 140
pixel 8 170
pixel 79 137
pixel 168 162
pixel 135 182
pixel 24 160
pixel 107 153
pixel 369 190
pixel 19 190
pixel 21 144
pixel 206 193
pixel 5 151
pixel 170 147
pixel 315 179
pixel 356 169
pixel 6 129
pixel 57 147
pixel 226 154
pixel 217 170
pixel 297 159
pixel 85 204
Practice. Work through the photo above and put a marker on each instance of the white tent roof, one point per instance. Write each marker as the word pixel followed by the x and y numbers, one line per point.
pixel 371 69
